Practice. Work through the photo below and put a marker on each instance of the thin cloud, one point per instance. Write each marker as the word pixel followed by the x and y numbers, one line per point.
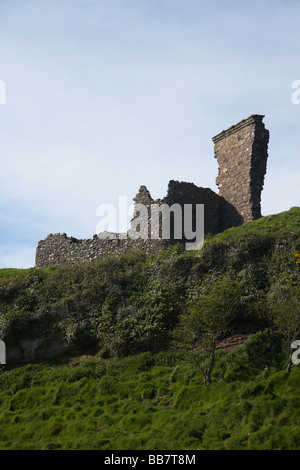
pixel 104 96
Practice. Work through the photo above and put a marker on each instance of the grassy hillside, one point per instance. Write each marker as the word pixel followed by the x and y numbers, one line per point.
pixel 154 402
pixel 138 392
pixel 131 304
pixel 275 224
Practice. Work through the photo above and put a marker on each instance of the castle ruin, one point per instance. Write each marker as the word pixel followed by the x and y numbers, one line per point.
pixel 241 152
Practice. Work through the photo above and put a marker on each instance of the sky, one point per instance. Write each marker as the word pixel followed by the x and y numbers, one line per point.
pixel 103 96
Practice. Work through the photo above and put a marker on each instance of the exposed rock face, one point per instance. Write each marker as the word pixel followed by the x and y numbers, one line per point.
pixel 44 348
pixel 32 349
pixel 242 153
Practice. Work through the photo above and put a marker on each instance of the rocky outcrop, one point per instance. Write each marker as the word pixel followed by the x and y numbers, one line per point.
pixel 30 350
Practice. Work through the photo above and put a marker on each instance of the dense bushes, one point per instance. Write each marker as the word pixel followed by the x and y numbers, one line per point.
pixel 132 303
pixel 245 279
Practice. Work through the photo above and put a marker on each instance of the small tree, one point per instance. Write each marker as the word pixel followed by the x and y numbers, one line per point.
pixel 208 320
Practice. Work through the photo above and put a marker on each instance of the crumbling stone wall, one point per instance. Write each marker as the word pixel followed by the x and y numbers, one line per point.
pixel 187 193
pixel 183 193
pixel 60 250
pixel 241 151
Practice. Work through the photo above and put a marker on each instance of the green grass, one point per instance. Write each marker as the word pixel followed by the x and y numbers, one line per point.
pixel 275 224
pixel 152 402
pixel 7 273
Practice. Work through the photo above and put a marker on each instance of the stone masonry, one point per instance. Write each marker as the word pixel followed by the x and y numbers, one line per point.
pixel 60 250
pixel 241 152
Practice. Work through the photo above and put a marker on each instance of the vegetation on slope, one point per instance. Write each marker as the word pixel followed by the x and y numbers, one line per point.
pixel 131 304
pixel 138 392
pixel 154 402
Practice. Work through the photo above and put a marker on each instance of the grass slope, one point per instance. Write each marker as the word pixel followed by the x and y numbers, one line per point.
pixel 152 399
pixel 154 402
pixel 288 221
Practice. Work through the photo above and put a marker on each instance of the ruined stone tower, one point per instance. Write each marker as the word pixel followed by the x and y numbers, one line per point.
pixel 242 152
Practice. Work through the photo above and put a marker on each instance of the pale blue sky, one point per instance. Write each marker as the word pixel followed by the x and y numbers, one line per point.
pixel 106 95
